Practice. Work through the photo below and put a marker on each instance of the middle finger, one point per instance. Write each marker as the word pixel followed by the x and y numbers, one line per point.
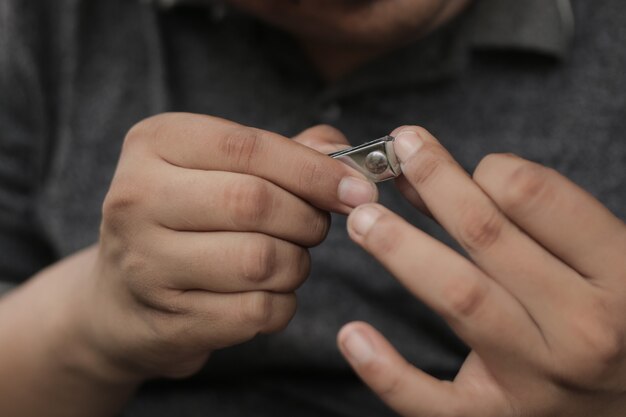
pixel 205 201
pixel 540 281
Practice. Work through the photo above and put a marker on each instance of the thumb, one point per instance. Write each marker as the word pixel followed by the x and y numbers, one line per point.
pixel 323 138
pixel 404 388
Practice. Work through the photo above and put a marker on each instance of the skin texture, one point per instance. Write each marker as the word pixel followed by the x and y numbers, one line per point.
pixel 197 281
pixel 154 298
pixel 204 240
pixel 195 255
pixel 545 324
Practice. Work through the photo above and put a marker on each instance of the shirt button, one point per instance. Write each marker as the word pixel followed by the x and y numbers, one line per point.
pixel 331 113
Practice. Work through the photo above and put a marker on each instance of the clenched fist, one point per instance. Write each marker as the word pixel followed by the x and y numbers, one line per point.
pixel 204 239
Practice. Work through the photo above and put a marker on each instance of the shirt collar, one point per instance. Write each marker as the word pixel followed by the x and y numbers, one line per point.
pixel 532 26
pixel 543 26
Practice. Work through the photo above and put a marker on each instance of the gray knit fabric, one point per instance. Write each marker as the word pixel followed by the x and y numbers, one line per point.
pixel 76 74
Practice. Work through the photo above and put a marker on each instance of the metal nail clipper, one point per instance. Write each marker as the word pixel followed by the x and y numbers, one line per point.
pixel 376 159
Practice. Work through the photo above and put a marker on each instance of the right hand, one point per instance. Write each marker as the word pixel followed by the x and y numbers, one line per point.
pixel 204 240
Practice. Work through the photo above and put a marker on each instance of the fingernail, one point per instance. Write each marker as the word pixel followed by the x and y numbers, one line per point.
pixel 358 347
pixel 362 219
pixel 407 143
pixel 354 191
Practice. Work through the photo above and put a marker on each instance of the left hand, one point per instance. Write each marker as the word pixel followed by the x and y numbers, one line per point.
pixel 542 302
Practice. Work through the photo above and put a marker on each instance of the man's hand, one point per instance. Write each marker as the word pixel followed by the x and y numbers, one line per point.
pixel 204 239
pixel 542 302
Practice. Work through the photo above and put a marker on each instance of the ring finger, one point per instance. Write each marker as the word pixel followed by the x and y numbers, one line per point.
pixel 196 261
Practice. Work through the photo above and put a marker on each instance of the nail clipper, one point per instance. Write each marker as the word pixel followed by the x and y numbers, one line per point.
pixel 376 159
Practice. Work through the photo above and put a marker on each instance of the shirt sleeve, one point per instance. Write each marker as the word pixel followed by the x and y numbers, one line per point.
pixel 24 135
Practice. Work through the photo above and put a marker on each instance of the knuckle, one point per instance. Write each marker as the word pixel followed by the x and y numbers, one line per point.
pixel 165 301
pixel 256 308
pixel 303 266
pixel 479 227
pixel 167 334
pixel 133 264
pixel 240 145
pixel 320 225
pixel 259 259
pixel 596 350
pixel 146 284
pixel 464 297
pixel 601 341
pixel 284 316
pixel 248 202
pixel 143 283
pixel 296 270
pixel 121 210
pixel 310 175
pixel 148 130
pixel 607 346
pixel 121 198
pixel 527 187
pixel 137 133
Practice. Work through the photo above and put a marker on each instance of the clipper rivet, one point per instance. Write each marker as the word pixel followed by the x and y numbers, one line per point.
pixel 376 162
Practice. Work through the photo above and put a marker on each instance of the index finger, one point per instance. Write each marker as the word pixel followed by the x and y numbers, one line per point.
pixel 209 143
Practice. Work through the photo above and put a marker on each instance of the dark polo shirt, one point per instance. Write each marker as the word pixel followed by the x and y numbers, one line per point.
pixel 76 74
